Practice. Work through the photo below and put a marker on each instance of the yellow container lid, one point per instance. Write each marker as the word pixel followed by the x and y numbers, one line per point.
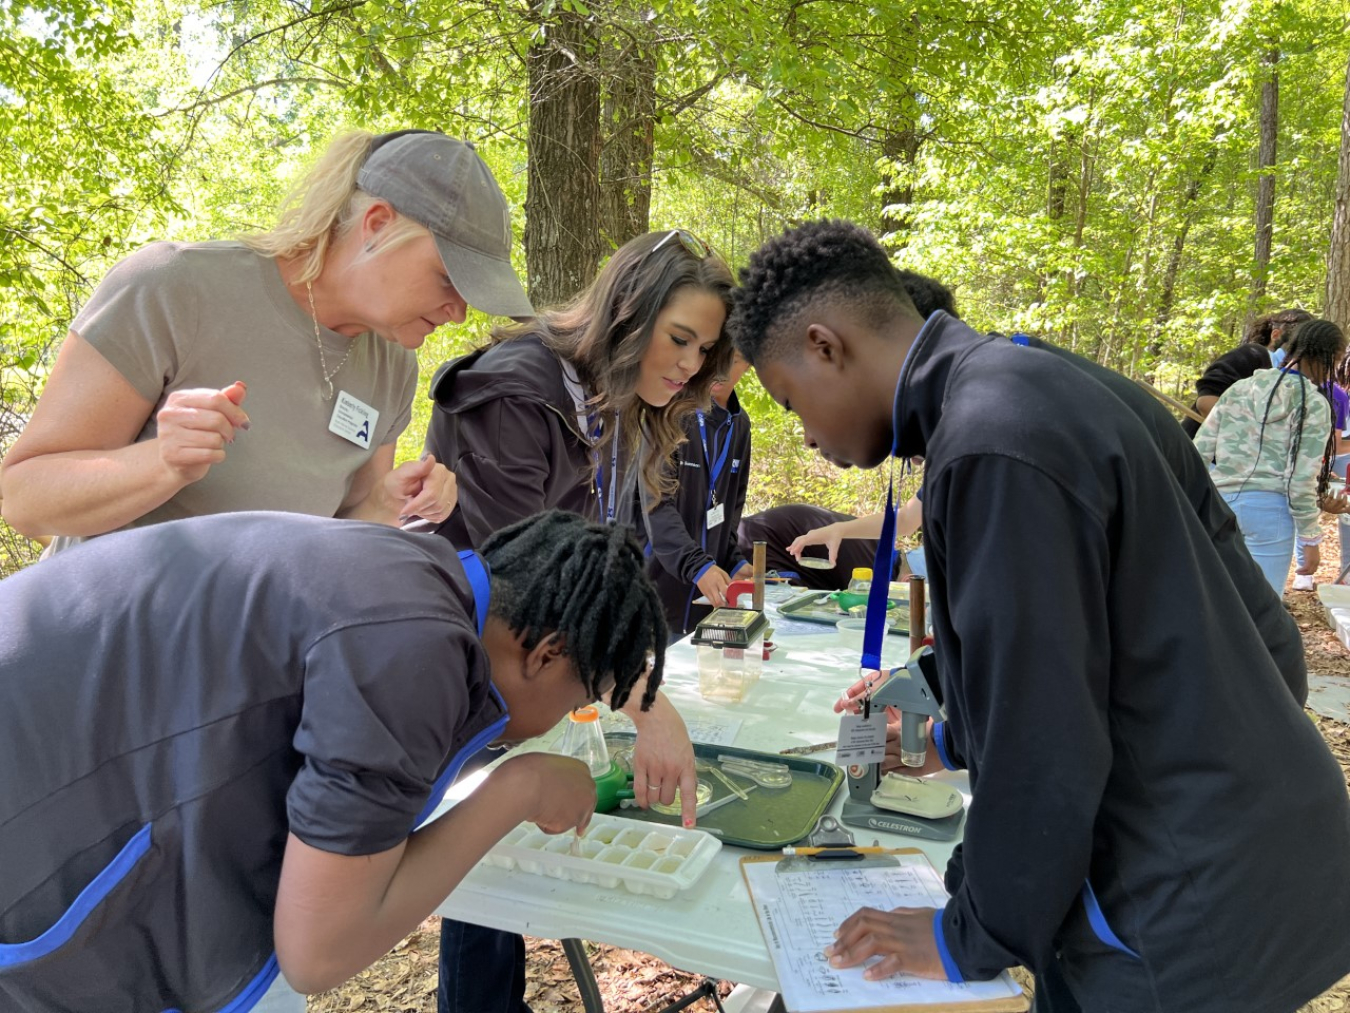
pixel 862 573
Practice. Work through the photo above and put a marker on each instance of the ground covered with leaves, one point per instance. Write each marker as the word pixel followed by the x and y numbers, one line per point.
pixel 633 982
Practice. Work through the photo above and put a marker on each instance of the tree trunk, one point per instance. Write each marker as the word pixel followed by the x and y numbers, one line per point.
pixel 1337 307
pixel 1057 198
pixel 901 150
pixel 1188 213
pixel 627 120
pixel 1086 176
pixel 1265 188
pixel 562 200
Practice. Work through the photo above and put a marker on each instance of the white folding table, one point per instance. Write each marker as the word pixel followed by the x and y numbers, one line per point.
pixel 710 928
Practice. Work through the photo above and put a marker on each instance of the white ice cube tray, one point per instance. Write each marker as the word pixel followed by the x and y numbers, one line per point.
pixel 658 860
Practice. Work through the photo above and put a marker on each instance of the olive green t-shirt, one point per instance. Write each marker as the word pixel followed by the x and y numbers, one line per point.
pixel 188 315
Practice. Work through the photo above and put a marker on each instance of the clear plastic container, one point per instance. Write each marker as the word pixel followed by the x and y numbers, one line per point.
pixel 584 740
pixel 726 673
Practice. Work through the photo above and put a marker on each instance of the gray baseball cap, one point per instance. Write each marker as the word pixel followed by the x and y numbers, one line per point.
pixel 441 183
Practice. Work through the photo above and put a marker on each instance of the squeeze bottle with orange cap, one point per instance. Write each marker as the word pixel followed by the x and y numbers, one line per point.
pixel 583 740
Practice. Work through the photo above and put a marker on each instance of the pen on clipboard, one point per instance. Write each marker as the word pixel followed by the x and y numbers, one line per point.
pixel 845 852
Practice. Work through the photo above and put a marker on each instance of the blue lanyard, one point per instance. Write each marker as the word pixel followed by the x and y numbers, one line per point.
pixel 874 631
pixel 477 572
pixel 714 468
pixel 606 514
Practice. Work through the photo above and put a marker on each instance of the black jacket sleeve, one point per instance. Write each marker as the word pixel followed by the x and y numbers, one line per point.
pixel 1231 367
pixel 505 467
pixel 1027 681
pixel 673 546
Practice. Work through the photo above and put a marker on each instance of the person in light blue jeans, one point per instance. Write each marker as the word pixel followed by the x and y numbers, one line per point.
pixel 1270 440
pixel 1268 528
pixel 1303 573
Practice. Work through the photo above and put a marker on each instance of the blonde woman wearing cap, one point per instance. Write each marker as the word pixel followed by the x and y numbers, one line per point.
pixel 276 372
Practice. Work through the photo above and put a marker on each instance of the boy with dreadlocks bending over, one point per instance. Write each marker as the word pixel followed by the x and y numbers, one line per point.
pixel 216 763
pixel 1155 824
pixel 1272 442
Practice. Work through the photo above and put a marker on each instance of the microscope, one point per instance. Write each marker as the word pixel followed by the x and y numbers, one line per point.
pixel 897 803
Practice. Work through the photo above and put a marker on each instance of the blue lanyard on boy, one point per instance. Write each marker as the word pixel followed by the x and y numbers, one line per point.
pixel 714 467
pixel 878 597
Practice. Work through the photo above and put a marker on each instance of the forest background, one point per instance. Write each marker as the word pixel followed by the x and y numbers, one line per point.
pixel 1134 181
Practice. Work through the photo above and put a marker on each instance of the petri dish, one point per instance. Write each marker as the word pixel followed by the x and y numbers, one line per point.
pixel 815 563
pixel 703 794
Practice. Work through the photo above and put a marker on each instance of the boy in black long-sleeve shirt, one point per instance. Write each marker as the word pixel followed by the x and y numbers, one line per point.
pixel 692 533
pixel 1156 825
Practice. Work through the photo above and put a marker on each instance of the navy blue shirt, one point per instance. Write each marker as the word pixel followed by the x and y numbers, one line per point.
pixel 173 701
pixel 681 547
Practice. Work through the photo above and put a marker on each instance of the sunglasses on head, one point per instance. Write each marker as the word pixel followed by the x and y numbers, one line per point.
pixel 695 247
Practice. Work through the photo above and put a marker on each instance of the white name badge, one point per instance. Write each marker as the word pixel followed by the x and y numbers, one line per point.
pixel 862 740
pixel 715 515
pixel 353 420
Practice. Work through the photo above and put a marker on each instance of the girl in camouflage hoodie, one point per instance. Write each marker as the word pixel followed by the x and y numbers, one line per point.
pixel 1269 437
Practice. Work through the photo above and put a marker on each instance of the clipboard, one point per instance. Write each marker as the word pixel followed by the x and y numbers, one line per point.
pixel 800 900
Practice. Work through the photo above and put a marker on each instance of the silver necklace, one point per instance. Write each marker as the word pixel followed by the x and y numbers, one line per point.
pixel 318 340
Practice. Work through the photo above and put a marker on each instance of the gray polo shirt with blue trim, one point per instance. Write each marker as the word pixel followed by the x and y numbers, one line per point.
pixel 173 701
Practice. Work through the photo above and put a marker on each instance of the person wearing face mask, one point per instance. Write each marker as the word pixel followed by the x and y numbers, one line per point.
pixel 574 410
pixel 275 372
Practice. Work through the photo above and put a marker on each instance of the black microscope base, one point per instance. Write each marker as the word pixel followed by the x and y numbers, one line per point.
pixel 869 817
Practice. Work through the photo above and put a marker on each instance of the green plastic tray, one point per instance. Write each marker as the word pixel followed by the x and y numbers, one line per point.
pixel 769 818
pixel 815 607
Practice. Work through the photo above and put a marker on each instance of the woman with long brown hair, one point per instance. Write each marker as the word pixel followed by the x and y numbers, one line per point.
pixel 569 408
pixel 573 409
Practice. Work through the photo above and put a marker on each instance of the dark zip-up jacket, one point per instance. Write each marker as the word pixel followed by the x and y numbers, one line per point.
pixel 1153 812
pixel 506 425
pixel 681 547
pixel 173 701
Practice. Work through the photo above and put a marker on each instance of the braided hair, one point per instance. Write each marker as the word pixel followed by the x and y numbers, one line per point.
pixel 815 262
pixel 558 573
pixel 1316 348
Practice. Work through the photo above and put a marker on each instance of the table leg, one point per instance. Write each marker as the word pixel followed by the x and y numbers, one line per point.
pixel 585 977
pixel 589 988
pixel 708 988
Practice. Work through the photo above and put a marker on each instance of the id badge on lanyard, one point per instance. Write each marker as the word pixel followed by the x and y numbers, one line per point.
pixel 862 736
pixel 716 512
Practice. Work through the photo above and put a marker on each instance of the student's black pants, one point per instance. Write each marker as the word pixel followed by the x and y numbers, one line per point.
pixel 482 970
